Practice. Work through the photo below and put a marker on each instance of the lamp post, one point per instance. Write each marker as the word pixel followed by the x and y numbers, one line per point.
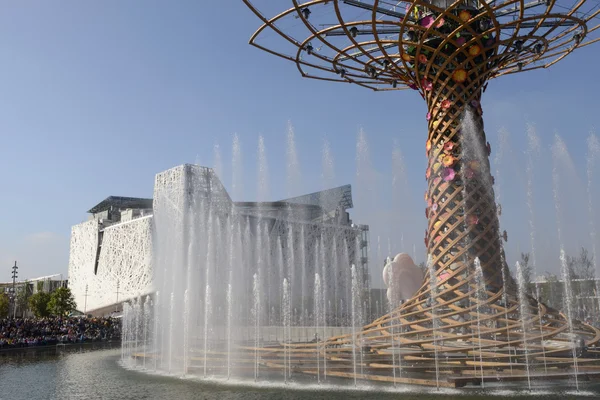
pixel 86 296
pixel 117 303
pixel 15 273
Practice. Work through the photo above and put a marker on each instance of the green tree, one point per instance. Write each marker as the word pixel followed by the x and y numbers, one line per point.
pixel 38 303
pixel 4 304
pixel 23 294
pixel 62 301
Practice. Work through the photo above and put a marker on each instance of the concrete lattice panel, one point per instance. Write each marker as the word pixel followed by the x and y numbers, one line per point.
pixel 125 257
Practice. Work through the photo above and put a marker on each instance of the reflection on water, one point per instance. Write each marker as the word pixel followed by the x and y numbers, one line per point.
pixel 97 375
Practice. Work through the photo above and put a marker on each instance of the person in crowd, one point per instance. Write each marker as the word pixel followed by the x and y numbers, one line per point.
pixel 25 332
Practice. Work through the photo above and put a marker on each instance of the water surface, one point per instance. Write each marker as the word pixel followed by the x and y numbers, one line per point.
pixel 82 374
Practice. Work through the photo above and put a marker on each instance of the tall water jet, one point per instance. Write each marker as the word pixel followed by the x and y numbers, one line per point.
pixel 355 308
pixel 293 180
pixel 505 305
pixel 336 280
pixel 525 316
pixel 207 321
pixel 229 326
pixel 237 169
pixel 291 264
pixel 434 320
pixel 281 267
pixel 186 330
pixel 569 312
pixel 318 312
pixel 392 306
pixel 256 317
pixel 263 171
pixel 481 295
pixel 327 166
pixel 171 331
pixel 156 338
pixel 147 321
pixel 558 151
pixel 303 282
pixel 286 313
pixel 541 325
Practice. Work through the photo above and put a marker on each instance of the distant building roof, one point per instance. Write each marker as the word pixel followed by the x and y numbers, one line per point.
pixel 121 203
pixel 328 200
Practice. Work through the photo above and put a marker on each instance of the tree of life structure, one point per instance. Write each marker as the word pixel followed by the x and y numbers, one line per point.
pixel 462 317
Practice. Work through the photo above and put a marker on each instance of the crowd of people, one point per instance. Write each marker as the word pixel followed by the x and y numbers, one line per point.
pixel 18 333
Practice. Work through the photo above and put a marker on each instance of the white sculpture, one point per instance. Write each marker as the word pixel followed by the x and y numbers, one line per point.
pixel 402 277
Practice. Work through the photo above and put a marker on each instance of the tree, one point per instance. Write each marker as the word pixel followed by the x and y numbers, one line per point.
pixel 23 295
pixel 38 303
pixel 584 265
pixel 62 301
pixel 4 304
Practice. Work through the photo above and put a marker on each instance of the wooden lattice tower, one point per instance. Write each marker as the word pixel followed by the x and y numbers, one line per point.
pixel 447 51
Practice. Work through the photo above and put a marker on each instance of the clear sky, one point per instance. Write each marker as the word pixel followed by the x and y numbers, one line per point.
pixel 97 97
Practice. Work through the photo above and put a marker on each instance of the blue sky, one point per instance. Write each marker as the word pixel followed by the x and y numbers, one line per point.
pixel 97 97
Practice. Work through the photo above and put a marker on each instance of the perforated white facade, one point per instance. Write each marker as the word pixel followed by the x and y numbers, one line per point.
pixel 124 263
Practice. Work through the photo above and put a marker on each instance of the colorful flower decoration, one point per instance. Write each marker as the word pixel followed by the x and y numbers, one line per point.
pixel 459 75
pixel 413 86
pixel 427 21
pixel 428 146
pixel 422 58
pixel 428 116
pixel 488 147
pixel 446 104
pixel 434 207
pixel 448 146
pixel 448 174
pixel 429 202
pixel 460 41
pixel 472 219
pixel 436 166
pixel 437 180
pixel 426 84
pixel 474 50
pixel 406 57
pixel 428 173
pixel 443 276
pixel 441 23
pixel 435 123
pixel 448 161
pixel 464 15
pixel 437 239
pixel 426 196
pixel 437 224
